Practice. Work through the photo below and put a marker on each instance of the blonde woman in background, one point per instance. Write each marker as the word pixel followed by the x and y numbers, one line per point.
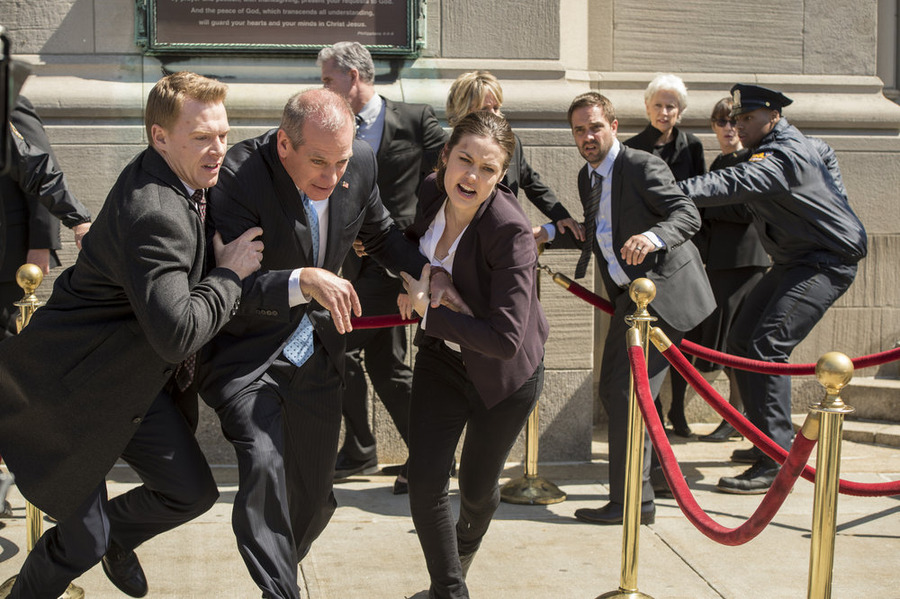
pixel 480 90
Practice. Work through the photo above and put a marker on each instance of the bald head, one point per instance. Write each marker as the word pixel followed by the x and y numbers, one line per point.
pixel 326 109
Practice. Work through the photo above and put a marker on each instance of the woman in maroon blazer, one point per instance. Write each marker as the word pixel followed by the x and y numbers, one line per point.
pixel 480 367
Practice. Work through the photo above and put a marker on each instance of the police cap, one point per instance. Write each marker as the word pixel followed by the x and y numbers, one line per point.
pixel 750 97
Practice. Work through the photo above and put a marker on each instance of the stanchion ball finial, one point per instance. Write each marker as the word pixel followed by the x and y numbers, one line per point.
pixel 642 291
pixel 29 277
pixel 834 370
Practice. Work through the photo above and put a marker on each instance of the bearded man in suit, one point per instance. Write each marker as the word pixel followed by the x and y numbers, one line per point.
pixel 637 224
pixel 115 340
pixel 274 374
pixel 407 140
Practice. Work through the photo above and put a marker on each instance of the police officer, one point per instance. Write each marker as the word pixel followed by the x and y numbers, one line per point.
pixel 792 186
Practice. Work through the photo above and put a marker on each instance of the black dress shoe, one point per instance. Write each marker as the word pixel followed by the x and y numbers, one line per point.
pixel 756 480
pixel 401 486
pixel 723 433
pixel 747 456
pixel 345 466
pixel 124 570
pixel 612 513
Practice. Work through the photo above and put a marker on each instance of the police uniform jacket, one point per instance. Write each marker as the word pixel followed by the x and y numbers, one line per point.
pixel 799 208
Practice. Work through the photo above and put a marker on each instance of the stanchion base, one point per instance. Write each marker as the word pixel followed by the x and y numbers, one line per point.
pixel 623 594
pixel 73 592
pixel 531 490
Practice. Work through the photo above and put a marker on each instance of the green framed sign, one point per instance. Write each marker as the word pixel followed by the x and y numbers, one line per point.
pixel 385 27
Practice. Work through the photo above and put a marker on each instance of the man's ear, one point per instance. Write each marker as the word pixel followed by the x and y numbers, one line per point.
pixel 158 137
pixel 283 143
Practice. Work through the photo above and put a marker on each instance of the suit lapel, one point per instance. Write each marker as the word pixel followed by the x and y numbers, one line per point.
pixel 615 201
pixel 291 202
pixel 340 212
pixel 390 125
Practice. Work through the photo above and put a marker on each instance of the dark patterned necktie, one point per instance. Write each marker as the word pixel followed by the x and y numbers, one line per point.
pixel 590 225
pixel 184 374
pixel 359 125
pixel 199 198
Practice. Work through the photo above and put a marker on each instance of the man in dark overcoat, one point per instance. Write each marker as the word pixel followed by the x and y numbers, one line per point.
pixel 113 343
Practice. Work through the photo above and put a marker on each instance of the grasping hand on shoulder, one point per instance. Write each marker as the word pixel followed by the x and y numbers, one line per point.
pixel 242 255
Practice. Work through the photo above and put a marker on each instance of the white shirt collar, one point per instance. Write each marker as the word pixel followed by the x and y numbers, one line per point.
pixel 605 168
pixel 372 109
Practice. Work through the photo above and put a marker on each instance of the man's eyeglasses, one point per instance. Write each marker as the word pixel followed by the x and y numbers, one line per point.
pixel 723 122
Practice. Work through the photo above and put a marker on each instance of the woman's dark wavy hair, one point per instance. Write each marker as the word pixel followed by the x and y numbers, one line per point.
pixel 482 124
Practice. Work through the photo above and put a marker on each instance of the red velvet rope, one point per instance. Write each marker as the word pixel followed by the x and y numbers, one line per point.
pixel 724 359
pixel 757 437
pixel 378 322
pixel 768 507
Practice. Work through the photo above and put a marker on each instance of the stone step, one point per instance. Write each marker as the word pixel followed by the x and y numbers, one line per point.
pixel 873 398
pixel 878 432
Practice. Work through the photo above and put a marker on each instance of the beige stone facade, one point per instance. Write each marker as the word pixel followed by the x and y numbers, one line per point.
pixel 833 57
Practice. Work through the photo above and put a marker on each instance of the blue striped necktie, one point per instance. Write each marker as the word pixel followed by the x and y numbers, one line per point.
pixel 300 346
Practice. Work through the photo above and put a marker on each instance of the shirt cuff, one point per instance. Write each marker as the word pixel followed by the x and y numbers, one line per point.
pixel 295 294
pixel 550 228
pixel 659 243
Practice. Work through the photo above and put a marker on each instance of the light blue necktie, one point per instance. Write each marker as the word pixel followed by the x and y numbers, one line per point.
pixel 300 346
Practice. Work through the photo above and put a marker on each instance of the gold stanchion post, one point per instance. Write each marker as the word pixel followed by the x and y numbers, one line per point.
pixel 532 489
pixel 642 292
pixel 834 370
pixel 29 277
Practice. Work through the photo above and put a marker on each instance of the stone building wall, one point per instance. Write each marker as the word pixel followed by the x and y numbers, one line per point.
pixel 90 81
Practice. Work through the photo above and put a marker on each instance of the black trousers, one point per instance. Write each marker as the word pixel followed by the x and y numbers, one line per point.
pixel 284 428
pixel 615 377
pixel 443 402
pixel 177 487
pixel 383 353
pixel 776 316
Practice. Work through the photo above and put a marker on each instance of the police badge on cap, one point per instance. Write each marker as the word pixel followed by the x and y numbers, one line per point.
pixel 750 97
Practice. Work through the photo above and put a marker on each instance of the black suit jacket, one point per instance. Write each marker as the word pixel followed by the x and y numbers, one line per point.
pixel 254 189
pixel 410 147
pixel 494 272
pixel 645 198
pixel 409 150
pixel 33 184
pixel 686 159
pixel 519 174
pixel 135 303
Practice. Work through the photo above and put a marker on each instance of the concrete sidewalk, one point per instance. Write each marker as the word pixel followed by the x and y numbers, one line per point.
pixel 370 549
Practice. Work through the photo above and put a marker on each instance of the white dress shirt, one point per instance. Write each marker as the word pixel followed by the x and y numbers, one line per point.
pixel 295 295
pixel 372 127
pixel 427 246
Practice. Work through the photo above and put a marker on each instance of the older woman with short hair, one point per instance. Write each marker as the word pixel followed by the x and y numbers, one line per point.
pixel 665 100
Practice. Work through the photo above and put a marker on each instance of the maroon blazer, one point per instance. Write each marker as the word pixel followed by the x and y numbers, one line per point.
pixel 494 272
